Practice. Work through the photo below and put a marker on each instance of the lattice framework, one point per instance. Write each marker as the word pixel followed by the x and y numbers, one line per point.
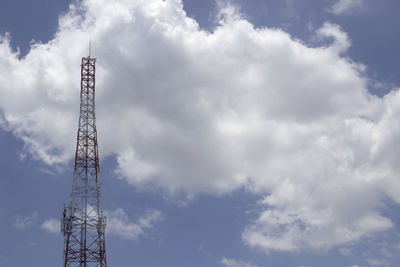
pixel 83 223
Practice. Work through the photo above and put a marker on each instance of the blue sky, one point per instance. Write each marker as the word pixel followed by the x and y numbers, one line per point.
pixel 232 133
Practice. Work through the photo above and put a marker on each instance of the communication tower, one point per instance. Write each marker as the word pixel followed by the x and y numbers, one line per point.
pixel 83 223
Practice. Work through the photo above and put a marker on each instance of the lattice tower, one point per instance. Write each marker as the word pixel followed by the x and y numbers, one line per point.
pixel 83 223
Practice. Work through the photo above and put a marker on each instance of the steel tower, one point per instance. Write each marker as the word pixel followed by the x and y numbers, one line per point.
pixel 83 223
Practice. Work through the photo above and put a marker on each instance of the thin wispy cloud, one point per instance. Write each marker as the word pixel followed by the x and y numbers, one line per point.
pixel 346 7
pixel 119 224
pixel 22 222
pixel 235 263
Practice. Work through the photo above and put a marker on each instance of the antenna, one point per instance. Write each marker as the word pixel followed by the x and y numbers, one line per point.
pixel 90 47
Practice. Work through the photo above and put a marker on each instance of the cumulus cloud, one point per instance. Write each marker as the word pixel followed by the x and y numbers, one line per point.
pixel 235 263
pixel 346 7
pixel 209 112
pixel 119 224
pixel 51 225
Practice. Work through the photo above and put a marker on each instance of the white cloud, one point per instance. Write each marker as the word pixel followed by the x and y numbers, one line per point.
pixel 119 224
pixel 341 40
pixel 235 263
pixel 51 225
pixel 346 7
pixel 24 222
pixel 198 112
pixel 227 12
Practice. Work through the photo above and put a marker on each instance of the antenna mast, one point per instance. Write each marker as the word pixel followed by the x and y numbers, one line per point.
pixel 83 223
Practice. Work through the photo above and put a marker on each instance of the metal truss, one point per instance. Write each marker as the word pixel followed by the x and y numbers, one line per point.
pixel 83 223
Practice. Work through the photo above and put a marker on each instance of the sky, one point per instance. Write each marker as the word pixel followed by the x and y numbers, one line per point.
pixel 231 133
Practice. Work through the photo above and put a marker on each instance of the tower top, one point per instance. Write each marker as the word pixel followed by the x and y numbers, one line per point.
pixel 90 47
